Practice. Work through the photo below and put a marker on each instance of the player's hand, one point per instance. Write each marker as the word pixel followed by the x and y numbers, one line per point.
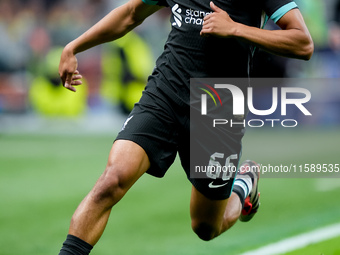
pixel 68 72
pixel 218 23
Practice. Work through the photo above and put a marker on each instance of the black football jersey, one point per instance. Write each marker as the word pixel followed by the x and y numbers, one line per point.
pixel 188 55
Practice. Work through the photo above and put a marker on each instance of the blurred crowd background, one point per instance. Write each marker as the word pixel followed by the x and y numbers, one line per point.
pixel 33 32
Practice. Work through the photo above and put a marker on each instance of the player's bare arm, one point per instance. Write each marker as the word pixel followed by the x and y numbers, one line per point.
pixel 113 26
pixel 293 40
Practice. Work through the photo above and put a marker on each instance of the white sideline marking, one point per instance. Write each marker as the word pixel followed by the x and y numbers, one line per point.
pixel 299 241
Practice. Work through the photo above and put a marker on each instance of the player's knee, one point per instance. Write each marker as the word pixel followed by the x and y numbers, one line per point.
pixel 110 188
pixel 204 231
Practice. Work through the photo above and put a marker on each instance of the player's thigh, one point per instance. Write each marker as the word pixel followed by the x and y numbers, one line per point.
pixel 205 211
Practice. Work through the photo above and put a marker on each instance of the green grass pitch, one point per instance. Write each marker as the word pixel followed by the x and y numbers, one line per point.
pixel 44 177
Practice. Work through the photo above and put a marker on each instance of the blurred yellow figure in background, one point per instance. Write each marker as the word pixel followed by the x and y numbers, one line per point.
pixel 47 95
pixel 126 65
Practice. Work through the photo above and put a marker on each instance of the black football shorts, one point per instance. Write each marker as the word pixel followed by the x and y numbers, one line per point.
pixel 160 124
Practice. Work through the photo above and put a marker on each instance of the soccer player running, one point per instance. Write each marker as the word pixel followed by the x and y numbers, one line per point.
pixel 207 39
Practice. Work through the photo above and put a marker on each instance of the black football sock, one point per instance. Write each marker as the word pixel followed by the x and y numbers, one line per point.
pixel 75 246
